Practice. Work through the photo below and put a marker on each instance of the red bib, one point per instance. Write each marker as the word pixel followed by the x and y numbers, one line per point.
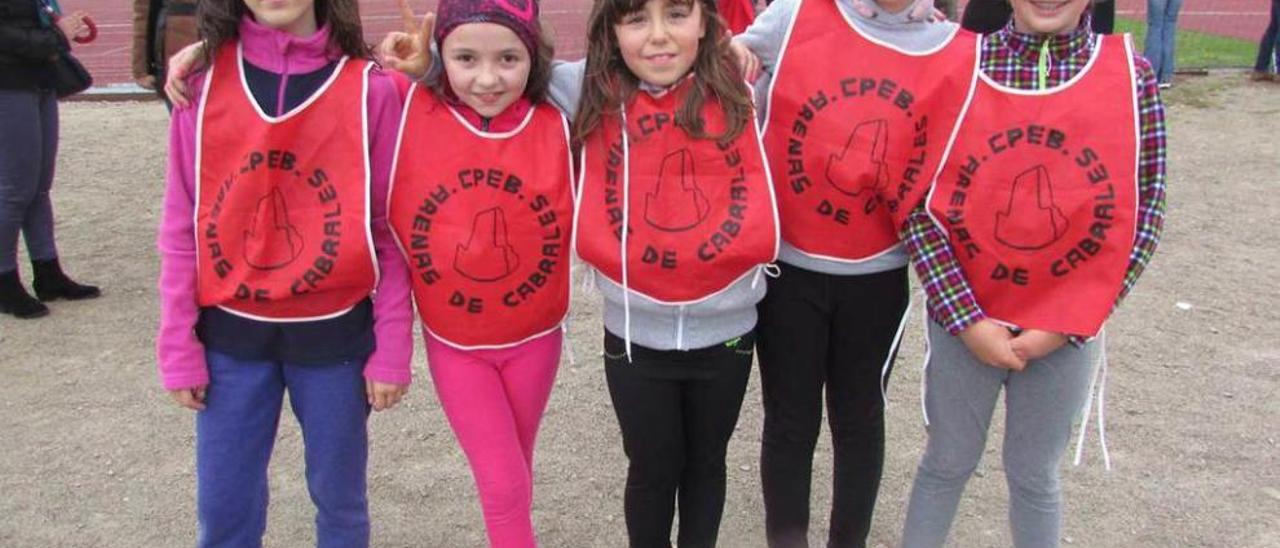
pixel 1039 197
pixel 854 145
pixel 282 204
pixel 701 216
pixel 485 221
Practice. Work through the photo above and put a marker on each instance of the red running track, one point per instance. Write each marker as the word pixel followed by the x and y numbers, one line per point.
pixel 1244 19
pixel 108 57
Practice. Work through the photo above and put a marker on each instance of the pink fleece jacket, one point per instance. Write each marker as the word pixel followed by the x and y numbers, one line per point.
pixel 181 357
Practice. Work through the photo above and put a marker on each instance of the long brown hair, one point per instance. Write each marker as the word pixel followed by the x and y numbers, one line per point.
pixel 535 88
pixel 219 22
pixel 608 82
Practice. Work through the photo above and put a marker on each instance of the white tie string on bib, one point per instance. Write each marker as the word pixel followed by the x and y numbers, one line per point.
pixel 893 349
pixel 626 212
pixel 566 345
pixel 768 269
pixel 924 365
pixel 1100 382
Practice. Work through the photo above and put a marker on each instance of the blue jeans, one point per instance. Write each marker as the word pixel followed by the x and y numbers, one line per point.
pixel 28 152
pixel 237 430
pixel 1270 45
pixel 1162 27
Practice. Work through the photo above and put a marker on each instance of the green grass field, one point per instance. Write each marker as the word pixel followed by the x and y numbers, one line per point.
pixel 1197 49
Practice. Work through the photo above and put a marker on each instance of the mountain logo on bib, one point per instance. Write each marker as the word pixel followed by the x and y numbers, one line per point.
pixel 272 242
pixel 676 203
pixel 860 166
pixel 1032 220
pixel 488 255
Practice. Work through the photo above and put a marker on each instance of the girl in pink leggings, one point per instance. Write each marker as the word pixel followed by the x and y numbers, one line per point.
pixel 482 206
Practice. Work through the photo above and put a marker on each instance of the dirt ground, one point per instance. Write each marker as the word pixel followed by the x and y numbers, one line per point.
pixel 93 453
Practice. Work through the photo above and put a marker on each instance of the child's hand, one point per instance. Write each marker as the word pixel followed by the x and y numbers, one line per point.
pixel 992 344
pixel 409 51
pixel 747 61
pixel 181 65
pixel 191 398
pixel 1033 344
pixel 383 396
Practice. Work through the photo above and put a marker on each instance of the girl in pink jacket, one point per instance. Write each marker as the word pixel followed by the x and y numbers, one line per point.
pixel 278 270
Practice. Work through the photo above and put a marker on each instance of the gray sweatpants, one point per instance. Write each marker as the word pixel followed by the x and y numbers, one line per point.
pixel 28 152
pixel 1041 403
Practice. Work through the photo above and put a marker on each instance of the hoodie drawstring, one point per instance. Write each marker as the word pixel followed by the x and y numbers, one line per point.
pixel 626 223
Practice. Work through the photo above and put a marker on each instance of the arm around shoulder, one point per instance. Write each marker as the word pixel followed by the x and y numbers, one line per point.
pixel 392 309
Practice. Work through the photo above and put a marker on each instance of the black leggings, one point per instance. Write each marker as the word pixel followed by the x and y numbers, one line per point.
pixel 821 331
pixel 677 410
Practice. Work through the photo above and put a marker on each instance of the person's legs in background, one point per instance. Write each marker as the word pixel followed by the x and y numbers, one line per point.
pixel 37 224
pixel 48 280
pixel 1162 28
pixel 1269 47
pixel 1170 40
pixel 21 144
pixel 1153 42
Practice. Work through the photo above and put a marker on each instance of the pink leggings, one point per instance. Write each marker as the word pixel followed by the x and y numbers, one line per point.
pixel 494 400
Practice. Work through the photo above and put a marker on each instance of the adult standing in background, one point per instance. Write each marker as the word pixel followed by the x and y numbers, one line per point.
pixel 1269 48
pixel 1162 27
pixel 1104 16
pixel 32 36
pixel 160 29
pixel 988 16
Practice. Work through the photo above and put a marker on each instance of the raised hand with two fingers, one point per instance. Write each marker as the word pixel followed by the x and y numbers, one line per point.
pixel 409 50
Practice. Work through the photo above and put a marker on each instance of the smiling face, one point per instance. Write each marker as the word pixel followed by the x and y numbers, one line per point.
pixel 487 66
pixel 297 17
pixel 659 42
pixel 1047 16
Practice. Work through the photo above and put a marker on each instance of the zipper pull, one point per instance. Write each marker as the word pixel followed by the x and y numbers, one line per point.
pixel 1042 65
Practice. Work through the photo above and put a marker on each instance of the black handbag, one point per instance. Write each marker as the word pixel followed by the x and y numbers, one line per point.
pixel 69 76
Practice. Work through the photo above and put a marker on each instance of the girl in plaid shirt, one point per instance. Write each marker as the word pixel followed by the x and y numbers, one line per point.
pixel 1045 51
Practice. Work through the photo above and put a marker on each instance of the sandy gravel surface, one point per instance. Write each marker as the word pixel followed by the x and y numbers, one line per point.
pixel 92 452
